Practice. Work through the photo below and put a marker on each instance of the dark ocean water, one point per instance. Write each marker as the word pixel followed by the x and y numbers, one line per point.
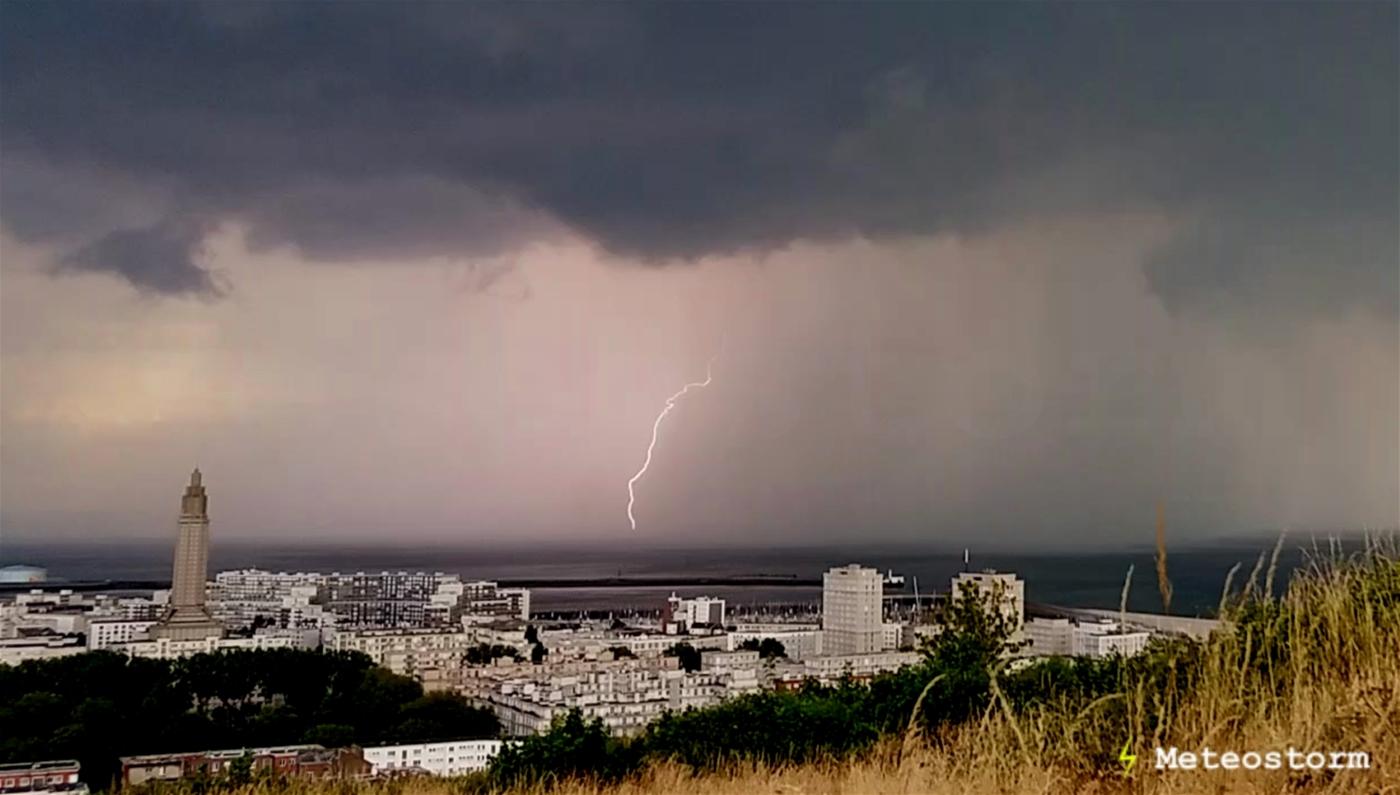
pixel 1081 579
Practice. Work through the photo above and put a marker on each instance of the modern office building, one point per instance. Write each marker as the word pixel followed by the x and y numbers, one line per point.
pixel 852 611
pixel 188 618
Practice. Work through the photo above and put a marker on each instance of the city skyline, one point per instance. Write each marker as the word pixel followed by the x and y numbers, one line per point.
pixel 999 274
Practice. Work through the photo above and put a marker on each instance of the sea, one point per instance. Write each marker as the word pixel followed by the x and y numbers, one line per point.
pixel 1086 578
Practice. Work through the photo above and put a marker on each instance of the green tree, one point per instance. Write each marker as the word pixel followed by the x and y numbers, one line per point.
pixel 331 735
pixel 444 716
pixel 572 748
pixel 688 655
pixel 768 648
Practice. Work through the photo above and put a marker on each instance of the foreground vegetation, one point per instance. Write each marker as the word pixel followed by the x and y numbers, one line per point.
pixel 98 706
pixel 1318 670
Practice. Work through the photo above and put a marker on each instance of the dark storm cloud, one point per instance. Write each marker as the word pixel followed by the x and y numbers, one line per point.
pixel 163 258
pixel 365 130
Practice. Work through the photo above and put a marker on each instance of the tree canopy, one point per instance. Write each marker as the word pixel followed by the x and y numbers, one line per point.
pixel 100 705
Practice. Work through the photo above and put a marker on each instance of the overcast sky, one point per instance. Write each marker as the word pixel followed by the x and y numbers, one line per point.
pixel 1010 273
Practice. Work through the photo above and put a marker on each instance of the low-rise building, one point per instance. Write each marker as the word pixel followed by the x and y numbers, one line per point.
pixel 451 758
pixel 41 778
pixel 109 632
pixel 292 761
pixel 171 648
pixel 409 651
pixel 625 695
pixel 683 615
pixel 1048 637
pixel 858 666
pixel 14 651
pixel 1108 640
pixel 800 641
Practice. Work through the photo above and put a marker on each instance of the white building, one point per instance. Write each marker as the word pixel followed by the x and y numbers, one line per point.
pixel 831 668
pixel 895 636
pixel 14 651
pixel 106 633
pixel 1048 637
pixel 1106 639
pixel 852 610
pixel 1062 637
pixel 452 758
pixel 172 648
pixel 800 641
pixel 238 598
pixel 1003 589
pixel 410 651
pixel 625 695
pixel 699 611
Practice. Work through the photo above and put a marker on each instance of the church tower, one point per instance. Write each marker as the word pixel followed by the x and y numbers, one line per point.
pixel 188 618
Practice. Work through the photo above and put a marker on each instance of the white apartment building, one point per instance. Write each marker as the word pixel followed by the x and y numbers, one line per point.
pixel 106 633
pixel 625 695
pixel 1125 644
pixel 1062 637
pixel 451 758
pixel 831 668
pixel 852 610
pixel 1003 589
pixel 683 614
pixel 1048 637
pixel 894 636
pixel 14 651
pixel 1106 639
pixel 171 648
pixel 410 651
pixel 800 641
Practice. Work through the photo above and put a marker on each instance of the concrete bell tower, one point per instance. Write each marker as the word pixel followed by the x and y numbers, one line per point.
pixel 188 618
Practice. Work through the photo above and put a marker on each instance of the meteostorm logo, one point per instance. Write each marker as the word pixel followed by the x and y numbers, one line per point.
pixel 1173 758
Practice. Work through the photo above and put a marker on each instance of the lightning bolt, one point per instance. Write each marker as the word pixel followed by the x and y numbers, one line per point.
pixel 1126 758
pixel 656 427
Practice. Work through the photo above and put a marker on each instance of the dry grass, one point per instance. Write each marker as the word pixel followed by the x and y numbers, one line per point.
pixel 1317 670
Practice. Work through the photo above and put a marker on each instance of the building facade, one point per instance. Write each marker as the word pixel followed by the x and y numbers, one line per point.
pixel 452 758
pixel 188 618
pixel 41 778
pixel 106 633
pixel 1004 590
pixel 852 610
pixel 292 761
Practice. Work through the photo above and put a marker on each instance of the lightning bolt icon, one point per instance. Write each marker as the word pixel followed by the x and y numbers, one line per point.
pixel 1126 758
pixel 656 427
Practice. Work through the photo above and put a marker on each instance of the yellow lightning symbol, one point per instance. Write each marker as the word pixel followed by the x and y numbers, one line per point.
pixel 1126 758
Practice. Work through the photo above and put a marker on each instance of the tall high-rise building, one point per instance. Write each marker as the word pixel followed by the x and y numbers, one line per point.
pixel 852 610
pixel 188 618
